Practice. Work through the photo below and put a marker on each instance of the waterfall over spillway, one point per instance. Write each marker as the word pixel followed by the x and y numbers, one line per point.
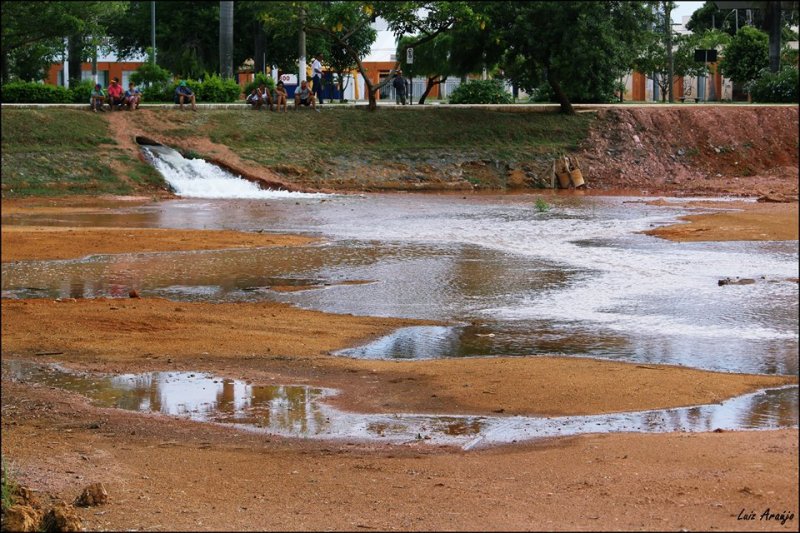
pixel 196 178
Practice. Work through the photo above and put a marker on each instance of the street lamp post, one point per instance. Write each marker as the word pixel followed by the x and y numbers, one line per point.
pixel 153 28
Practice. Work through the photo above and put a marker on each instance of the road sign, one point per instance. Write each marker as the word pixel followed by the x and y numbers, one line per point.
pixel 289 79
pixel 410 56
pixel 705 56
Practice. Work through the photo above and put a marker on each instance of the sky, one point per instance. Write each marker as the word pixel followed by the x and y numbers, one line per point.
pixel 685 8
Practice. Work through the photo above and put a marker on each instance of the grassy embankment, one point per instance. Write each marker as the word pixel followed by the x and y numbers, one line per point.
pixel 60 151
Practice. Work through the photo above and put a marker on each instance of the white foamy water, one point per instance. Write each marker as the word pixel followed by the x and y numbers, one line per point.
pixel 196 178
pixel 623 281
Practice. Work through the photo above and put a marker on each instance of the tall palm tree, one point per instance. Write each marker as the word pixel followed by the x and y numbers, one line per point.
pixel 226 39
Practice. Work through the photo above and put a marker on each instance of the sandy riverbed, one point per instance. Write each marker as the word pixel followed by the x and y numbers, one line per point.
pixel 171 474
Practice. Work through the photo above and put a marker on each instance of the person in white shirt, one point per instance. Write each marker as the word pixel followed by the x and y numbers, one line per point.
pixel 316 77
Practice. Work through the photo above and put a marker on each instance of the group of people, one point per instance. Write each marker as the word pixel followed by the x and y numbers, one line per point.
pixel 262 95
pixel 115 97
pixel 303 96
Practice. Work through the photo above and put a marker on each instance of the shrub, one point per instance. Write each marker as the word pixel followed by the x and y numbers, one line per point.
pixel 21 92
pixel 258 80
pixel 480 92
pixel 215 89
pixel 159 93
pixel 150 74
pixel 775 86
pixel 82 92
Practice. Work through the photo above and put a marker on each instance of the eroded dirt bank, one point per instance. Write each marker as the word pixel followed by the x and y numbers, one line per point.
pixel 681 151
pixel 705 151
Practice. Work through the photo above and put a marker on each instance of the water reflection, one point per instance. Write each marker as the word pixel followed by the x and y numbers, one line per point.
pixel 300 411
pixel 577 280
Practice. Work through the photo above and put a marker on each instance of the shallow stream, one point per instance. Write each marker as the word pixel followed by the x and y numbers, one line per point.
pixel 572 277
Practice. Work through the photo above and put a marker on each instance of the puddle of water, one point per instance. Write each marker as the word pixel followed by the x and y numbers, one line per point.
pixel 576 280
pixel 300 411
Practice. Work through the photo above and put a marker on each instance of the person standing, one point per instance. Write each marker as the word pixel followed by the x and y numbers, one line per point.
pixel 316 79
pixel 399 84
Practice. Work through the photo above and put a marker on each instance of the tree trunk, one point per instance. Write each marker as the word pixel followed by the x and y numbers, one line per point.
pixel 670 61
pixel 259 49
pixel 341 85
pixel 555 84
pixel 773 14
pixel 75 53
pixel 432 82
pixel 226 39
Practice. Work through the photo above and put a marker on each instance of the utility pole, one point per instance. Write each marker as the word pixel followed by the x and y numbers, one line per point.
pixel 153 29
pixel 301 64
pixel 670 62
pixel 226 39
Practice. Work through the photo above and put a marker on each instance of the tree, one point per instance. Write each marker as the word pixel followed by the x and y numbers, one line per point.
pixel 653 60
pixel 187 46
pixel 281 23
pixel 360 41
pixel 33 33
pixel 431 60
pixel 710 17
pixel 425 20
pixel 580 48
pixel 746 55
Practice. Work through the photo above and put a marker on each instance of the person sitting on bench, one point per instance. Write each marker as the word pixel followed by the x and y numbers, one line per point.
pixel 304 96
pixel 184 93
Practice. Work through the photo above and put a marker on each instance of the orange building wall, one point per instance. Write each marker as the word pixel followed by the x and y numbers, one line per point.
pixel 638 87
pixel 114 69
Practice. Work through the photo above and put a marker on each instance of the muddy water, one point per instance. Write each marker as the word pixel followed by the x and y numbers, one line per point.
pixel 300 411
pixel 574 280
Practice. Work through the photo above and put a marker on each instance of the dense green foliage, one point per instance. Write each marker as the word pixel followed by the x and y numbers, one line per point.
pixel 481 92
pixel 580 48
pixel 776 87
pixel 16 92
pixel 258 80
pixel 746 55
pixel 33 33
pixel 82 92
pixel 150 74
pixel 213 89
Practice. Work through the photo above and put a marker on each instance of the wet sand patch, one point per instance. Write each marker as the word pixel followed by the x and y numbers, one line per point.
pixel 177 474
pixel 21 243
pixel 741 221
pixel 263 340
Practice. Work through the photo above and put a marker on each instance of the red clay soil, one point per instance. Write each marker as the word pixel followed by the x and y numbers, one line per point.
pixel 703 151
